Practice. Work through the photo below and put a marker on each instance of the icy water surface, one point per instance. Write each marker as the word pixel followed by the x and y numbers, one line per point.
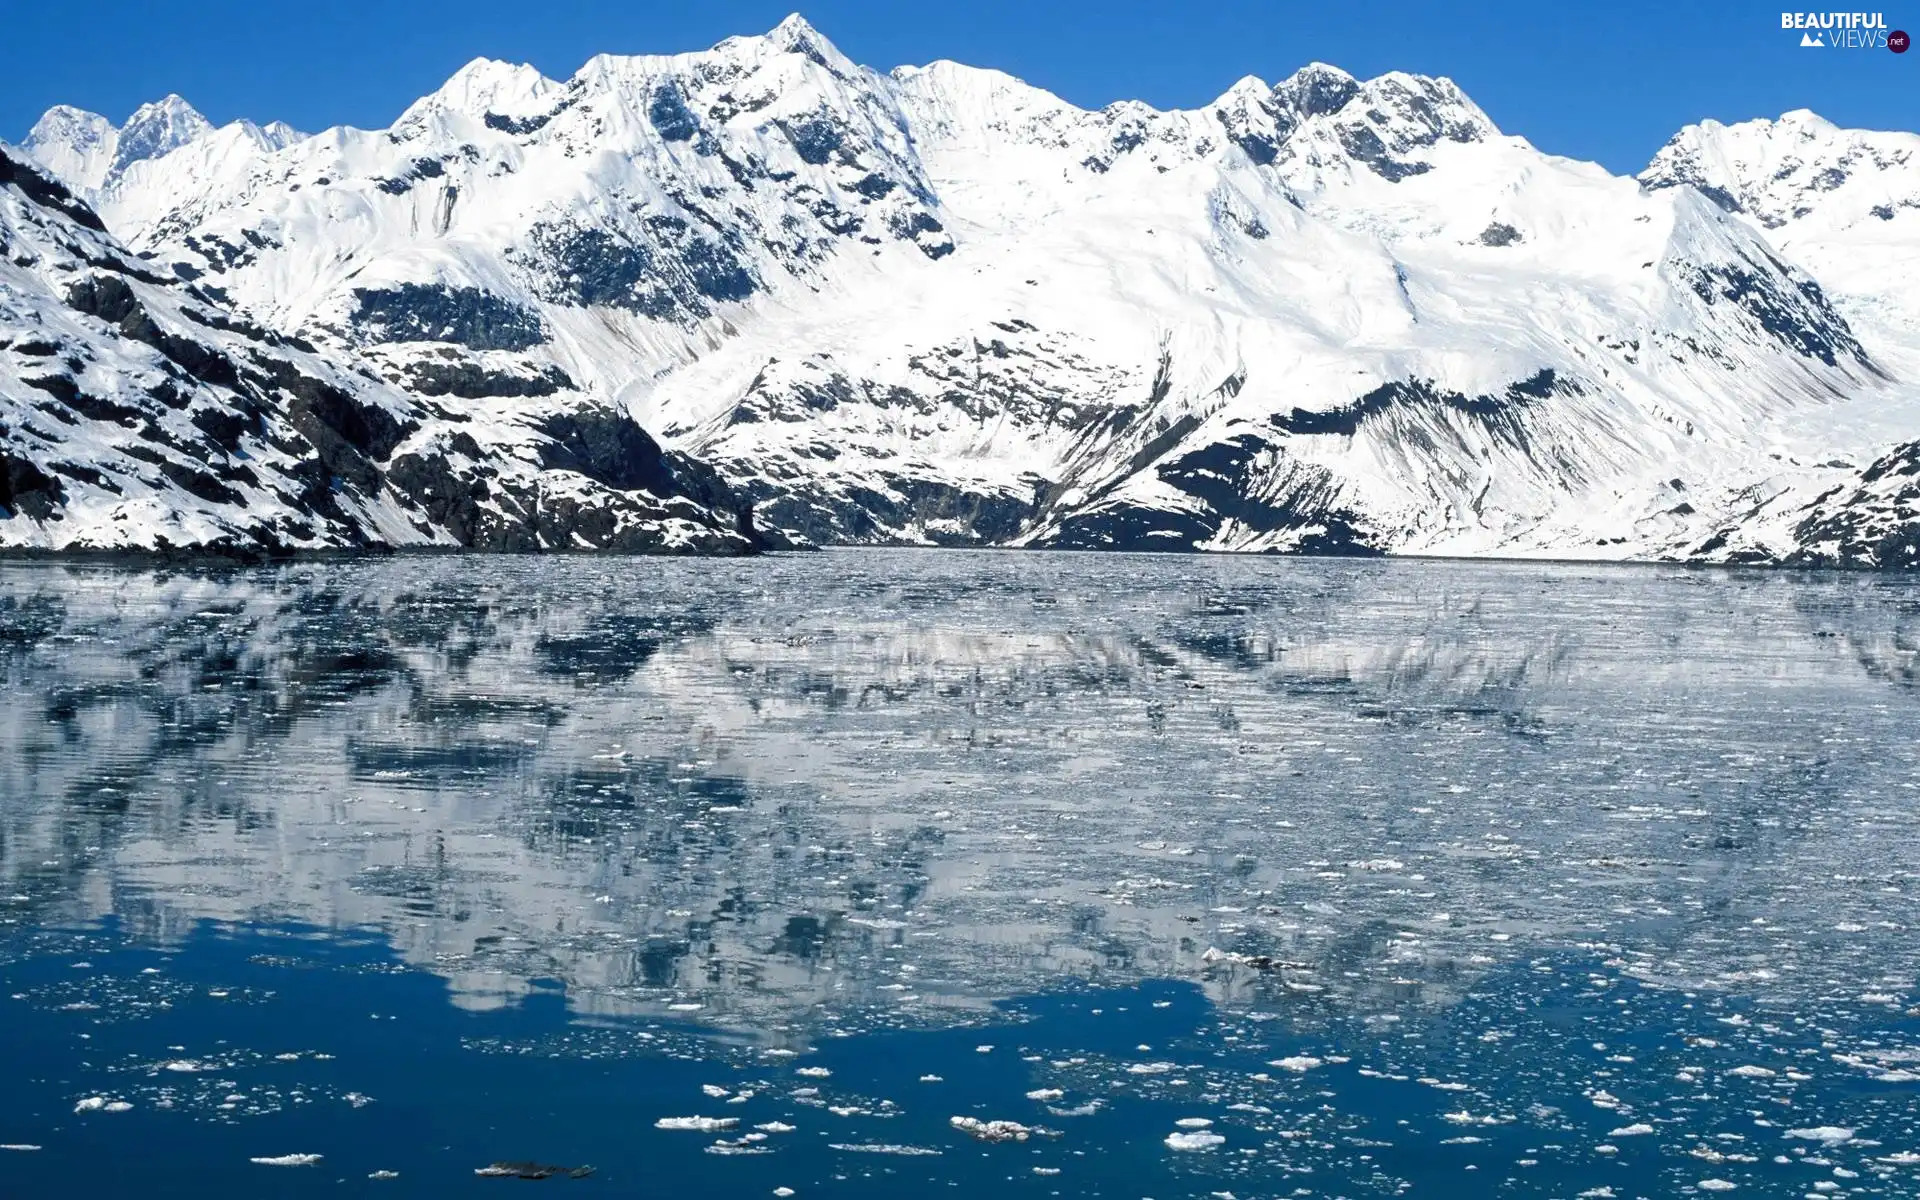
pixel 902 874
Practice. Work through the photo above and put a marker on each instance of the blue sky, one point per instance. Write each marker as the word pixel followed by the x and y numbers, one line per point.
pixel 1607 82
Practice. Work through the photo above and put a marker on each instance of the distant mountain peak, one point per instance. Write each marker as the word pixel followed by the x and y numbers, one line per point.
pixel 156 129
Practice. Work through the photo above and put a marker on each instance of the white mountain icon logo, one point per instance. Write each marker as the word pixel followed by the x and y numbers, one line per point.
pixel 1811 39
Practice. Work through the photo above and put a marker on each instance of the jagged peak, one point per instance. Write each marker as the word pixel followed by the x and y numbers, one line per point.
pixel 281 134
pixel 1316 90
pixel 1805 118
pixel 796 35
pixel 793 30
pixel 485 85
pixel 171 108
pixel 62 117
pixel 1319 72
pixel 1245 88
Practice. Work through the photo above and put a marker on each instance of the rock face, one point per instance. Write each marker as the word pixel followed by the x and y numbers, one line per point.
pixel 938 306
pixel 139 412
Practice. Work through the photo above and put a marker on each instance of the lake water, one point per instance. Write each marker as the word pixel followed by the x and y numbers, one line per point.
pixel 1214 876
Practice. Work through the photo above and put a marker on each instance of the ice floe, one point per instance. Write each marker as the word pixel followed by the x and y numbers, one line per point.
pixel 696 1124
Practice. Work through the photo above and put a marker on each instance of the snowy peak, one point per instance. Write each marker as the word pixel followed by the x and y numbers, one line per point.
pixel 483 86
pixel 1799 167
pixel 156 130
pixel 942 305
pixel 1316 90
pixel 77 146
pixel 795 36
pixel 89 153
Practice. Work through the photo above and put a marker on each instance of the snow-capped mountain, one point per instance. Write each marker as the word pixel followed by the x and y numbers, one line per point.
pixel 1845 203
pixel 939 305
pixel 140 412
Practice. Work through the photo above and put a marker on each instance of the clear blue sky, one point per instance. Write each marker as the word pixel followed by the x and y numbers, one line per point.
pixel 1602 81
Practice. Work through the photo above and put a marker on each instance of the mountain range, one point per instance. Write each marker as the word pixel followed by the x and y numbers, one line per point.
pixel 762 296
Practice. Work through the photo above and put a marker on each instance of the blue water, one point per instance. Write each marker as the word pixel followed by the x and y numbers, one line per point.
pixel 1215 876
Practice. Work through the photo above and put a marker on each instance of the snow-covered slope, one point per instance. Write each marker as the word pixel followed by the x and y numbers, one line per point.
pixel 939 305
pixel 1845 204
pixel 139 412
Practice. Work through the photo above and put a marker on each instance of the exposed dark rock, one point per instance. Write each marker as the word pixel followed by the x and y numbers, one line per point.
pixel 44 189
pixel 1797 315
pixel 676 280
pixel 671 117
pixel 471 380
pixel 1498 233
pixel 27 489
pixel 113 300
pixel 1498 414
pixel 422 168
pixel 1874 522
pixel 607 447
pixel 815 137
pixel 435 312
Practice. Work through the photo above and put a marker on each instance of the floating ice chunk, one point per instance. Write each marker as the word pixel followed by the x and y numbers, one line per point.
pixel 1150 1068
pixel 775 1127
pixel 185 1066
pixel 689 1007
pixel 1200 1140
pixel 1299 1064
pixel 91 1104
pixel 1046 1170
pixel 883 1148
pixel 783 1191
pixel 530 1170
pixel 696 1124
pixel 1377 864
pixel 983 1049
pixel 714 1090
pixel 286 1160
pixel 1045 1094
pixel 1826 1135
pixel 997 1131
pixel 813 1072
pixel 1194 1122
pixel 384 1175
pixel 1079 1110
pixel 1716 1185
pixel 18 1147
pixel 1637 1129
pixel 931 1079
pixel 1752 1072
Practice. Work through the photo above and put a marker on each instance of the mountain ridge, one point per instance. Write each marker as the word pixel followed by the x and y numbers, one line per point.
pixel 938 305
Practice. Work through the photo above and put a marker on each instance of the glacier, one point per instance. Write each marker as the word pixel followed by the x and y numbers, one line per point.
pixel 937 306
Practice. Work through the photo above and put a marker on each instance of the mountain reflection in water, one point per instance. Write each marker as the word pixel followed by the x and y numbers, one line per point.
pixel 859 789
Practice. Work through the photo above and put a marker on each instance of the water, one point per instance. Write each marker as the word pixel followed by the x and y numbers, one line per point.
pixel 1409 878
